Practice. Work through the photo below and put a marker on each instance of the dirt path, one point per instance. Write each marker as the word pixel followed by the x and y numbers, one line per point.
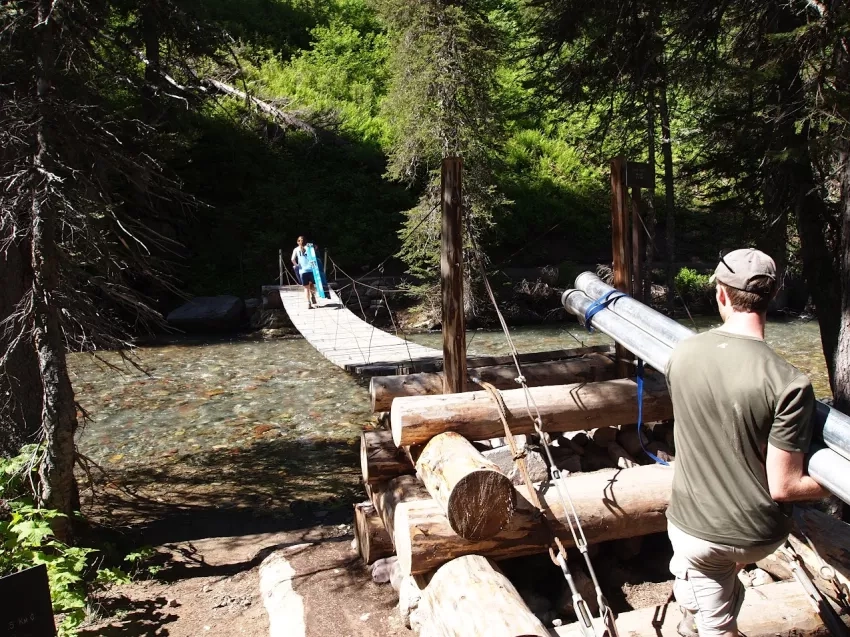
pixel 212 587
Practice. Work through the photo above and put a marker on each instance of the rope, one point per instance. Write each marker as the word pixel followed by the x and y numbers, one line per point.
pixel 573 521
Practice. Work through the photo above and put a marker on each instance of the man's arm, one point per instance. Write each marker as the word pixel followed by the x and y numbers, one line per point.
pixel 787 478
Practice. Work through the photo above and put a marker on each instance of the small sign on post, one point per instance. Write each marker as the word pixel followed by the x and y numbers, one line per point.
pixel 639 175
pixel 26 610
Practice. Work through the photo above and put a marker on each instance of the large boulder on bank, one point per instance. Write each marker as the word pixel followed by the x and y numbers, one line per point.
pixel 208 313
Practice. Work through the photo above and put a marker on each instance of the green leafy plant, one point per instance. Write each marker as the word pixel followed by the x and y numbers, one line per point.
pixel 693 286
pixel 27 540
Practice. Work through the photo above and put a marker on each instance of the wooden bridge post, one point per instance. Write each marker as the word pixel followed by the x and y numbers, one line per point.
pixel 451 276
pixel 620 246
pixel 280 264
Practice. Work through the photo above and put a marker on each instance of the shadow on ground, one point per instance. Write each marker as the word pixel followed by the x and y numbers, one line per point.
pixel 271 485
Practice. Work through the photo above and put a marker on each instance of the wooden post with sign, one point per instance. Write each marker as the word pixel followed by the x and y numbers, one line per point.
pixel 620 246
pixel 451 277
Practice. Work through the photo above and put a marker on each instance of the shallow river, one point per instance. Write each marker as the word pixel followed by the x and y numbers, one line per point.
pixel 226 396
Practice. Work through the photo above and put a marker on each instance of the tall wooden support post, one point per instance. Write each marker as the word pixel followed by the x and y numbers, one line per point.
pixel 280 264
pixel 451 277
pixel 638 247
pixel 620 246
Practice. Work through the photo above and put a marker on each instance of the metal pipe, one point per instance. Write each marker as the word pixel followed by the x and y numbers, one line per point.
pixel 632 337
pixel 655 323
pixel 833 427
pixel 828 465
pixel 830 470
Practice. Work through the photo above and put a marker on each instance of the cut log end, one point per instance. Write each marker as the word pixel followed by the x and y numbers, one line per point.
pixel 373 541
pixel 481 504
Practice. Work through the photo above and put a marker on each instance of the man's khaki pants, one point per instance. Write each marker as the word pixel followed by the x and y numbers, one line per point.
pixel 707 581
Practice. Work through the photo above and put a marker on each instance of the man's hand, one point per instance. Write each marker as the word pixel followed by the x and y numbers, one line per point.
pixel 787 478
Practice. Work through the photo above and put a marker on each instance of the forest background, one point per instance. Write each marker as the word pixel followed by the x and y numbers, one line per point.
pixel 154 149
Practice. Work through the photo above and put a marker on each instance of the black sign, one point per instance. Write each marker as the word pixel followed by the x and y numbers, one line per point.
pixel 26 610
pixel 639 175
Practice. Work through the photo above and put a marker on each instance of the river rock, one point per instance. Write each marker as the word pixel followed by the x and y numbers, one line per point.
pixel 208 313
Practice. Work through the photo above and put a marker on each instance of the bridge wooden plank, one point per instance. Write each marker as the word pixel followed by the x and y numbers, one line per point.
pixel 343 338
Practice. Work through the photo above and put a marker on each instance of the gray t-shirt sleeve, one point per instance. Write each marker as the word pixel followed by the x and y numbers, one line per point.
pixel 792 423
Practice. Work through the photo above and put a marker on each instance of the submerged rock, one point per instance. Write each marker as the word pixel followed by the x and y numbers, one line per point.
pixel 208 313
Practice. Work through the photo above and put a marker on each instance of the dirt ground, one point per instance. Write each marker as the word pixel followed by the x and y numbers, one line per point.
pixel 211 587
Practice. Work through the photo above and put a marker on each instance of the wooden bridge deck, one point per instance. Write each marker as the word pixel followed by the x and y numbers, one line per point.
pixel 348 341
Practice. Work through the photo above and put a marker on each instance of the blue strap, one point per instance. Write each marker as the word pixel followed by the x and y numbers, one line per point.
pixel 640 414
pixel 600 304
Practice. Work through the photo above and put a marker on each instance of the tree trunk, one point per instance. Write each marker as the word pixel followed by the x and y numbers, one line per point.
pixel 150 35
pixel 575 407
pixel 669 199
pixel 841 362
pixel 20 382
pixel 380 459
pixel 58 418
pixel 650 198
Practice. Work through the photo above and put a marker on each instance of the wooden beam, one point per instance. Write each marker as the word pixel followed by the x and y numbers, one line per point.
pixel 620 244
pixel 637 247
pixel 474 415
pixel 612 505
pixel 588 368
pixel 471 597
pixel 380 459
pixel 435 363
pixel 386 496
pixel 476 498
pixel 451 276
pixel 373 541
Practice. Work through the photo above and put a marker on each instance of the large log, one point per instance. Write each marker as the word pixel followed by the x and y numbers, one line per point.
pixel 380 459
pixel 588 368
pixel 476 498
pixel 474 415
pixel 373 541
pixel 436 364
pixel 386 496
pixel 611 504
pixel 471 597
pixel 780 609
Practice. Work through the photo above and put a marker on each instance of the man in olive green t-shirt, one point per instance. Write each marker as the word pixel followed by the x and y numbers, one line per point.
pixel 743 426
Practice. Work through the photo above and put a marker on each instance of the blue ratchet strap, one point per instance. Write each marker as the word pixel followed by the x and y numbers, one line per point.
pixel 600 304
pixel 640 414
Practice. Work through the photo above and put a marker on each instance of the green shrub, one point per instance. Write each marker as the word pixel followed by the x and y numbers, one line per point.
pixel 27 540
pixel 694 287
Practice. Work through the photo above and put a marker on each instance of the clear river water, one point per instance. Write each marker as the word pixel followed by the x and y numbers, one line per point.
pixel 277 408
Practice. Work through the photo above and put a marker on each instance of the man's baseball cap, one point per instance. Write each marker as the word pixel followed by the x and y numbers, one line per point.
pixel 746 269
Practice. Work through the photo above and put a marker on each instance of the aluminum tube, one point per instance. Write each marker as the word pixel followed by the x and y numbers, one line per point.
pixel 830 470
pixel 655 323
pixel 834 427
pixel 647 347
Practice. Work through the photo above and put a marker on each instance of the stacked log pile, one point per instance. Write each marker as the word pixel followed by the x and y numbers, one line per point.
pixel 445 498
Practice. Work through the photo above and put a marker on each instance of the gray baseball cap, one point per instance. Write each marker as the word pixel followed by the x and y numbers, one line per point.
pixel 746 269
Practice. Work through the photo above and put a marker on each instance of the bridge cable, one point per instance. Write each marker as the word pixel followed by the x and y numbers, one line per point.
pixel 572 518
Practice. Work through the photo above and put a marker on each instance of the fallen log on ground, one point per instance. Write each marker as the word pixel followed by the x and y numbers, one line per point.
pixel 471 597
pixel 380 459
pixel 780 609
pixel 373 541
pixel 475 497
pixel 611 504
pixel 587 368
pixel 474 415
pixel 386 496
